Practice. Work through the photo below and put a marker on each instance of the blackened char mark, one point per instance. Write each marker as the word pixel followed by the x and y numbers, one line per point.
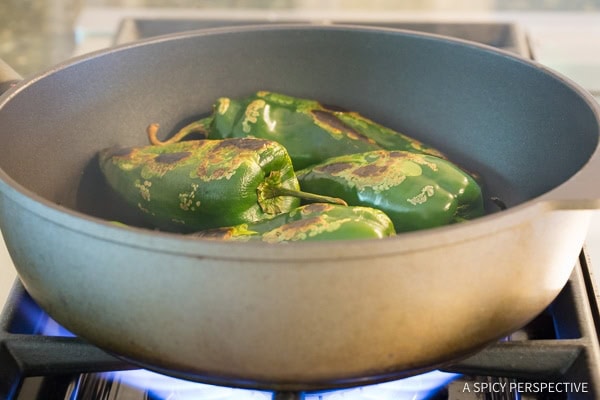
pixel 171 158
pixel 242 144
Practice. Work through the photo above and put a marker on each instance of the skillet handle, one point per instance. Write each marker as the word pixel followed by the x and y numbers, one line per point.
pixel 8 77
pixel 581 191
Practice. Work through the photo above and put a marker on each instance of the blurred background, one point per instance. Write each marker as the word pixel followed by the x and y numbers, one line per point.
pixel 36 34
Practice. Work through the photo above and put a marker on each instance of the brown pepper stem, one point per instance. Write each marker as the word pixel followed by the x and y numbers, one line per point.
pixel 200 126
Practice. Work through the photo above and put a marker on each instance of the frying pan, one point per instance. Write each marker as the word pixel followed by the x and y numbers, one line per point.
pixel 301 315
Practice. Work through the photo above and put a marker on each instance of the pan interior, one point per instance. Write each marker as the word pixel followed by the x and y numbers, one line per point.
pixel 523 130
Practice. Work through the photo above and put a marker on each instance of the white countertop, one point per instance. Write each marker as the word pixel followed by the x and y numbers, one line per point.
pixel 565 41
pixel 7 271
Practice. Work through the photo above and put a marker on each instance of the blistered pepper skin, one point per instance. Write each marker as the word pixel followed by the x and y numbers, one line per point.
pixel 417 191
pixel 202 184
pixel 310 131
pixel 312 222
pixel 306 129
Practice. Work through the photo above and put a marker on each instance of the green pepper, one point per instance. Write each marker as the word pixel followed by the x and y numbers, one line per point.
pixel 385 137
pixel 309 131
pixel 317 221
pixel 416 191
pixel 202 184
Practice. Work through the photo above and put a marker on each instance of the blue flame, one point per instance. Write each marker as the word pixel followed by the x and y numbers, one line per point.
pixel 53 328
pixel 29 318
pixel 160 387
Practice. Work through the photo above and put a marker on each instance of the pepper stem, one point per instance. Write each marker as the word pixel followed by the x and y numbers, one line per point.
pixel 200 126
pixel 317 198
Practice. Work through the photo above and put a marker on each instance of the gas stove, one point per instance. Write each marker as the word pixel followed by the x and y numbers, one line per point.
pixel 556 356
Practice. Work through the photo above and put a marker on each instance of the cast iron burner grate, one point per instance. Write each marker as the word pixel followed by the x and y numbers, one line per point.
pixel 559 347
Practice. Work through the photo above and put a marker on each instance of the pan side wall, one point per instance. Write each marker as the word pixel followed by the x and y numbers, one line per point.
pixel 294 324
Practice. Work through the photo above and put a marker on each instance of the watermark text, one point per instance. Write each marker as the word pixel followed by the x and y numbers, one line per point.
pixel 526 387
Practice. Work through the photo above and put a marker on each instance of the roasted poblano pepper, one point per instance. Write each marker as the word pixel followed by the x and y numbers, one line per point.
pixel 317 221
pixel 202 184
pixel 416 191
pixel 310 131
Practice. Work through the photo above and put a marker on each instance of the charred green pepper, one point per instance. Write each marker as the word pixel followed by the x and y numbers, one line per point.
pixel 309 131
pixel 201 184
pixel 416 191
pixel 317 221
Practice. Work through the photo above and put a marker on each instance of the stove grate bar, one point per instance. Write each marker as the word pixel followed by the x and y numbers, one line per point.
pixel 547 359
pixel 43 355
pixel 25 356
